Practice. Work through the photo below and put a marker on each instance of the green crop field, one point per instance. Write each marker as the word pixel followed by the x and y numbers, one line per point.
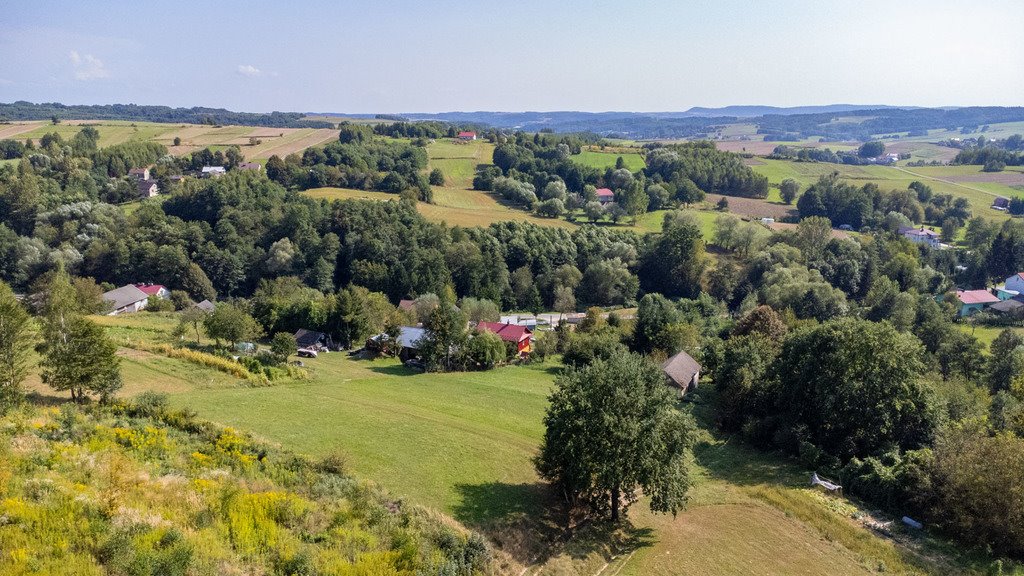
pixel 462 443
pixel 601 160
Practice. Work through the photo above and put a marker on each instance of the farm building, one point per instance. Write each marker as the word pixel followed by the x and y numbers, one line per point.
pixel 125 299
pixel 312 340
pixel 251 166
pixel 972 301
pixel 921 235
pixel 467 136
pixel 681 371
pixel 1001 204
pixel 605 195
pixel 518 335
pixel 206 306
pixel 148 188
pixel 1011 307
pixel 408 305
pixel 213 171
pixel 139 173
pixel 157 290
pixel 1015 283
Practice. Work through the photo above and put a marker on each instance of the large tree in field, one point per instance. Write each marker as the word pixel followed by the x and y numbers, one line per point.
pixel 231 323
pixel 14 347
pixel 84 362
pixel 612 430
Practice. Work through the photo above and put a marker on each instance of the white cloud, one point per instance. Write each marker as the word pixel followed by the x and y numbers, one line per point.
pixel 249 70
pixel 87 66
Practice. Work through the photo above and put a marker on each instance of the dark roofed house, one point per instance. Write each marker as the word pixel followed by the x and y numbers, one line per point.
pixel 139 173
pixel 605 195
pixel 682 371
pixel 125 299
pixel 312 339
pixel 148 188
pixel 518 335
pixel 1001 203
pixel 1011 307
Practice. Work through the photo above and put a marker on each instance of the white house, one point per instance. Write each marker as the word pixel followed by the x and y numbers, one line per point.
pixel 213 171
pixel 125 299
pixel 921 235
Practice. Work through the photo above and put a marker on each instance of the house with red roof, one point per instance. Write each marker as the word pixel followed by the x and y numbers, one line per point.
pixel 605 195
pixel 972 301
pixel 518 335
pixel 467 136
pixel 150 289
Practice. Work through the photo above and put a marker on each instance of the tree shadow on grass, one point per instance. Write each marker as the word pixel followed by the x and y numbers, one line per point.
pixel 396 370
pixel 527 522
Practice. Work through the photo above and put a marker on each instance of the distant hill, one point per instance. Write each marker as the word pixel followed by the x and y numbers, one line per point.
pixel 748 111
pixel 22 110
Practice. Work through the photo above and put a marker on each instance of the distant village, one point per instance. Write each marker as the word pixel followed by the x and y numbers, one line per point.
pixel 149 187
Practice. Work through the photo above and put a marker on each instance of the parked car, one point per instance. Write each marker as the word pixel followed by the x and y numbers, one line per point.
pixel 306 353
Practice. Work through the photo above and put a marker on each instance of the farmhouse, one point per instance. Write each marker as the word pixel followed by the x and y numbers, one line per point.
pixel 409 342
pixel 518 335
pixel 157 290
pixel 125 299
pixel 467 136
pixel 681 371
pixel 251 166
pixel 139 173
pixel 213 171
pixel 921 235
pixel 1015 283
pixel 148 188
pixel 972 301
pixel 605 195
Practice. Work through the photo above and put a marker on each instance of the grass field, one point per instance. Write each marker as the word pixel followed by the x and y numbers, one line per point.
pixel 463 443
pixel 943 180
pixel 601 160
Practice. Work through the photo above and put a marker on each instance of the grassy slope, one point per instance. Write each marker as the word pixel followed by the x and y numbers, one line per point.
pixel 980 194
pixel 463 443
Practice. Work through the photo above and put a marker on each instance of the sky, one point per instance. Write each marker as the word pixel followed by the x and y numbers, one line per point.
pixel 519 55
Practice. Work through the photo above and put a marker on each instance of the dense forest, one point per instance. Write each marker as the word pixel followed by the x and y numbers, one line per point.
pixel 924 422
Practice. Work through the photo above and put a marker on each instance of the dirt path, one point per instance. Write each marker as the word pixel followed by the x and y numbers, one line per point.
pixel 944 181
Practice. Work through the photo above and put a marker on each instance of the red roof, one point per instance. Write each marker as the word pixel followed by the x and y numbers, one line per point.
pixel 507 332
pixel 150 289
pixel 605 192
pixel 976 297
pixel 467 134
pixel 407 304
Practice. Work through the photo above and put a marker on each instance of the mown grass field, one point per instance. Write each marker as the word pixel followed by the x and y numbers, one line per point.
pixel 601 160
pixel 463 443
pixel 279 141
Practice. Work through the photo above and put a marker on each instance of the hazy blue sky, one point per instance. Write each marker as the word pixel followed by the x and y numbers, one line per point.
pixel 366 56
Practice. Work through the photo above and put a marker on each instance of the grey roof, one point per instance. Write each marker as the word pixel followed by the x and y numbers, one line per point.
pixel 124 296
pixel 304 338
pixel 145 185
pixel 213 169
pixel 409 336
pixel 206 306
pixel 1010 305
pixel 681 369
